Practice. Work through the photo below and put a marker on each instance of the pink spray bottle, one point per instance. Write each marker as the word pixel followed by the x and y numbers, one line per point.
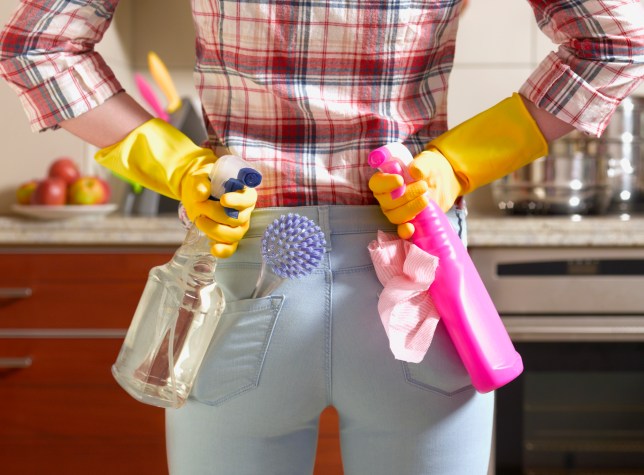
pixel 459 295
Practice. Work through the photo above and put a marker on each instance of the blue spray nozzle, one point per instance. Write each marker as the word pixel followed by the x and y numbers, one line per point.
pixel 250 177
pixel 232 173
pixel 233 184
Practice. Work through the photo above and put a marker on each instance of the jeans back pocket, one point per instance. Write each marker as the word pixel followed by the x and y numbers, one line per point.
pixel 235 358
pixel 442 370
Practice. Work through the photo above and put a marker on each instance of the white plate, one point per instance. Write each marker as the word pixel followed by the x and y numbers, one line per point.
pixel 64 211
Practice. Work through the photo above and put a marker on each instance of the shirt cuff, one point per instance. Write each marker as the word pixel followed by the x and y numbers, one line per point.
pixel 70 93
pixel 556 88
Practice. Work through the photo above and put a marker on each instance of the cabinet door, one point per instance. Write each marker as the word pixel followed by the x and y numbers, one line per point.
pixel 72 290
pixel 63 413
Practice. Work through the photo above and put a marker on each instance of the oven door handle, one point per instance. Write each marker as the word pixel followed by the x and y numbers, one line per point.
pixel 575 328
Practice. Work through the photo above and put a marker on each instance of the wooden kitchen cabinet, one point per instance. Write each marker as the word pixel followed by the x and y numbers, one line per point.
pixel 62 318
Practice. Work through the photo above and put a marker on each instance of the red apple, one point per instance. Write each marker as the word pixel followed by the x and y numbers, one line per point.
pixel 65 169
pixel 89 190
pixel 24 192
pixel 50 191
pixel 107 188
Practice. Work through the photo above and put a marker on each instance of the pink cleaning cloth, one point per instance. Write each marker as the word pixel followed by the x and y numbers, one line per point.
pixel 406 309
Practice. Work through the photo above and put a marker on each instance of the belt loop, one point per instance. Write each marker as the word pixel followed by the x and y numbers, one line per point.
pixel 325 225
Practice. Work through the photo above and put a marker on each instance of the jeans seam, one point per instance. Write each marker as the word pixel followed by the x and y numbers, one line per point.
pixel 364 230
pixel 353 270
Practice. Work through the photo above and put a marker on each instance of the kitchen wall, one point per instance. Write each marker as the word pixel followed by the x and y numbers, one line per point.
pixel 495 53
pixel 25 154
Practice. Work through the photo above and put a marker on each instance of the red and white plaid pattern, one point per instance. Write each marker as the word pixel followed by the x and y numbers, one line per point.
pixel 305 89
pixel 47 56
pixel 600 59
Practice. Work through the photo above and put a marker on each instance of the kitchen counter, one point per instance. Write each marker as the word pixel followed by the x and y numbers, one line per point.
pixel 89 231
pixel 484 231
pixel 551 231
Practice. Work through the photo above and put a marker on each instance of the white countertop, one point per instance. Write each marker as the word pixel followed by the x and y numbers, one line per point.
pixel 564 231
pixel 113 230
pixel 484 231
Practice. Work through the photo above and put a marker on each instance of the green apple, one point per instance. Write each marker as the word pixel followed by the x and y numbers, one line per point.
pixel 89 190
pixel 24 192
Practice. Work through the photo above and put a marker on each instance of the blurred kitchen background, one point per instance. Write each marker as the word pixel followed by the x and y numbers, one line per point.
pixel 495 54
pixel 568 287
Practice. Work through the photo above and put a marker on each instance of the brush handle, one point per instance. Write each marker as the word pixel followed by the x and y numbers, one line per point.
pixel 267 282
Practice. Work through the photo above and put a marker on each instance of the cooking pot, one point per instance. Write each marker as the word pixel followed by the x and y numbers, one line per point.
pixel 622 145
pixel 582 174
pixel 571 179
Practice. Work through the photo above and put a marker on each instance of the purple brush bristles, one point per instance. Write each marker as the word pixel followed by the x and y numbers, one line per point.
pixel 292 246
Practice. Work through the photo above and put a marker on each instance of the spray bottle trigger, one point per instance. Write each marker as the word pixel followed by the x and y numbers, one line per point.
pixel 233 184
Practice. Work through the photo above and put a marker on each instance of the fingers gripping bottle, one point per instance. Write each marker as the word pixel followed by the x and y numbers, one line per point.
pixel 178 311
pixel 458 293
pixel 232 173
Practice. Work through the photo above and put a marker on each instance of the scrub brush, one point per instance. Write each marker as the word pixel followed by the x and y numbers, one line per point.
pixel 292 247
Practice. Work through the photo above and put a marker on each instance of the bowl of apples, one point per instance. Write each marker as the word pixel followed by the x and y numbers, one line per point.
pixel 64 193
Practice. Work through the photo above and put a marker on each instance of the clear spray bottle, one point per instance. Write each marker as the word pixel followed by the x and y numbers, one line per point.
pixel 179 309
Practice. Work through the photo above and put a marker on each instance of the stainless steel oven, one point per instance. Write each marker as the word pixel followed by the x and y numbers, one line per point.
pixel 576 316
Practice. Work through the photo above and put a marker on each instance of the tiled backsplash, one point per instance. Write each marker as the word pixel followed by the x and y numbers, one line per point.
pixel 495 54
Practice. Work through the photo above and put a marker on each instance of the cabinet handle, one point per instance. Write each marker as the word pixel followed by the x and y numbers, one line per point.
pixel 16 363
pixel 15 293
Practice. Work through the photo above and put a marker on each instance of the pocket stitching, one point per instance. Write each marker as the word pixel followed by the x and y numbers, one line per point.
pixel 276 304
pixel 427 387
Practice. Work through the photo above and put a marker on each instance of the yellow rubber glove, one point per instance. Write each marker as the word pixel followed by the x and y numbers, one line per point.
pixel 163 159
pixel 482 149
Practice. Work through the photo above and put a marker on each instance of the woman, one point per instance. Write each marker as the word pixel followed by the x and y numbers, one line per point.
pixel 304 91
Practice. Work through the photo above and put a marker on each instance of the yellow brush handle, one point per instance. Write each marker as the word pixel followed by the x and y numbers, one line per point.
pixel 164 81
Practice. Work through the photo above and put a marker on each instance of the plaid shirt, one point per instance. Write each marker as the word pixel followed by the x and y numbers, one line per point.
pixel 304 90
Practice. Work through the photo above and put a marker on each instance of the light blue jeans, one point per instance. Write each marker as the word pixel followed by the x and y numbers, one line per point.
pixel 276 362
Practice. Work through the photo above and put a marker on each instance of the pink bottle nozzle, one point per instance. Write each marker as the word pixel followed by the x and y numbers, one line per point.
pixel 392 158
pixel 378 157
pixel 394 151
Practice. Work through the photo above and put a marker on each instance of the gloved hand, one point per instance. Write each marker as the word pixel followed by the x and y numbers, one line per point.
pixel 163 159
pixel 482 149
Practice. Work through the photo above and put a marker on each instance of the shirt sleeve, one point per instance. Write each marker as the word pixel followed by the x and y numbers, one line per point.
pixel 599 60
pixel 47 56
